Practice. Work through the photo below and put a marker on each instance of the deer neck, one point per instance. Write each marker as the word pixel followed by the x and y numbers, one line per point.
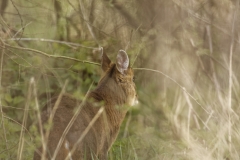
pixel 114 104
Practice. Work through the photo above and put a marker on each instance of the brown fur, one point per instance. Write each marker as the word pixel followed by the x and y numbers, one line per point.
pixel 115 90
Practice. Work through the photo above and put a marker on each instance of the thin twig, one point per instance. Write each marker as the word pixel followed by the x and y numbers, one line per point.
pixel 30 65
pixel 21 29
pixel 230 78
pixel 183 88
pixel 2 114
pixel 215 80
pixel 25 116
pixel 129 42
pixel 53 111
pixel 72 5
pixel 20 18
pixel 15 108
pixel 51 41
pixel 209 117
pixel 189 114
pixel 127 125
pixel 197 16
pixel 86 19
pixel 84 133
pixel 38 114
pixel 19 125
pixel 196 122
pixel 139 50
pixel 4 22
pixel 15 145
pixel 51 56
pixel 69 126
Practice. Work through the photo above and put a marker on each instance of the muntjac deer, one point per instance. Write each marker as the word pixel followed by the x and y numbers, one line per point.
pixel 97 124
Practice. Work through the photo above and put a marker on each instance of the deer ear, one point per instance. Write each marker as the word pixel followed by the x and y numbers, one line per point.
pixel 122 61
pixel 105 61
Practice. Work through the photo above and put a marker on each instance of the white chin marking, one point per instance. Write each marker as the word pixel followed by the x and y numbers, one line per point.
pixel 133 102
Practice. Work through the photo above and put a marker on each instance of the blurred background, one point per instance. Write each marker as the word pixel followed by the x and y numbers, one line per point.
pixel 185 55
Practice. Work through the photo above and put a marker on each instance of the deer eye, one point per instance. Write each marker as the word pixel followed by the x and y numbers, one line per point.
pixel 134 78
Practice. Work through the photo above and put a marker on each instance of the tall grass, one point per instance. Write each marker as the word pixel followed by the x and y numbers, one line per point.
pixel 177 124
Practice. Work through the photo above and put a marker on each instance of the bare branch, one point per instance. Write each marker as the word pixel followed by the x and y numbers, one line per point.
pixel 50 56
pixel 50 40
